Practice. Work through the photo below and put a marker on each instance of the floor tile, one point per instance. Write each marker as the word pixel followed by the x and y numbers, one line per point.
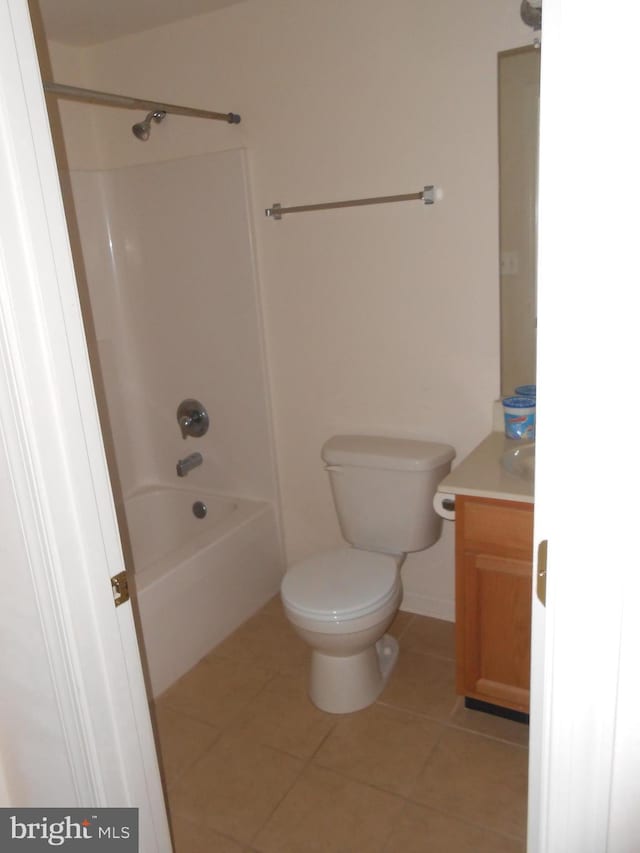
pixel 381 746
pixel 477 779
pixel 268 640
pixel 235 787
pixel 189 837
pixel 216 690
pixel 430 636
pixel 327 813
pixel 423 684
pixel 423 830
pixel 489 724
pixel 250 764
pixel 282 716
pixel 182 740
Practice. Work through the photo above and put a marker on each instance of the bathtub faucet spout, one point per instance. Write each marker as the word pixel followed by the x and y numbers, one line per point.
pixel 188 463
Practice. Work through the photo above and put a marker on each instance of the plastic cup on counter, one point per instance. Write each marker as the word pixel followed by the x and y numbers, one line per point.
pixel 526 391
pixel 520 417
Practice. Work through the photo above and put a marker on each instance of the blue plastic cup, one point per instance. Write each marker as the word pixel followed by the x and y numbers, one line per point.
pixel 526 391
pixel 520 417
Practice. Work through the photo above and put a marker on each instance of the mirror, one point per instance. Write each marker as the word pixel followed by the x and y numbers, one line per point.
pixel 518 110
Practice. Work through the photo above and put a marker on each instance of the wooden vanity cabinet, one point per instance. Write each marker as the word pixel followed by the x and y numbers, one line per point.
pixel 494 544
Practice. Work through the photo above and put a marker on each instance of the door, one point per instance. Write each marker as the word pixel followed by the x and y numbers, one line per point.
pixel 585 747
pixel 76 725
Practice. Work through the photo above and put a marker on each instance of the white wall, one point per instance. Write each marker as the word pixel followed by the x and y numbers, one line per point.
pixel 381 319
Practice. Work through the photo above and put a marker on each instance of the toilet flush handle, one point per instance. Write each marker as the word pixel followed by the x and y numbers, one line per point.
pixel 333 467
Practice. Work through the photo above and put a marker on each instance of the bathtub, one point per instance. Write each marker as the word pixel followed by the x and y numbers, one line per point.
pixel 195 580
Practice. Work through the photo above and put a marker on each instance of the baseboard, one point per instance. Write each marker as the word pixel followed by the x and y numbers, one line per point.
pixel 423 605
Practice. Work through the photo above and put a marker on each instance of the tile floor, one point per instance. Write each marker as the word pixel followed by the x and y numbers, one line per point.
pixel 250 764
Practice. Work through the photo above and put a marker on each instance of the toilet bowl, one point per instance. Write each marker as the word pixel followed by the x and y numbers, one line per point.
pixel 341 602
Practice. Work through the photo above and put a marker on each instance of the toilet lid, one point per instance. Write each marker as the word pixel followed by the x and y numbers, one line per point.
pixel 341 584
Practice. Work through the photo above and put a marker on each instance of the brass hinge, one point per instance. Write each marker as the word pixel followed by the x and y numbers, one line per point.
pixel 541 583
pixel 120 587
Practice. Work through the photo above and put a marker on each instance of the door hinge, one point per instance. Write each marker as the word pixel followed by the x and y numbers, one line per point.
pixel 541 581
pixel 120 587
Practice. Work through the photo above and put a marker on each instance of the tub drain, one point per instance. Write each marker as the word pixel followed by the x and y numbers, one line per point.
pixel 199 509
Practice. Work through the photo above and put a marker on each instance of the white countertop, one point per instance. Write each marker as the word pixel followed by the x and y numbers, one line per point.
pixel 482 474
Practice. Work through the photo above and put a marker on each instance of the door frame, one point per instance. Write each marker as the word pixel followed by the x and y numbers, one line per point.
pixel 59 490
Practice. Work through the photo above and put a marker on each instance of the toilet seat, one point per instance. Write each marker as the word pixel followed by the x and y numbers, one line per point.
pixel 341 585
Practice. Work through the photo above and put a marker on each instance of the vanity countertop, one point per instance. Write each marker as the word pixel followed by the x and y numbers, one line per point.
pixel 481 473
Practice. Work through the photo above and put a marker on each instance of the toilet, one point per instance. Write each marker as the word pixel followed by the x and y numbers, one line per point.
pixel 342 601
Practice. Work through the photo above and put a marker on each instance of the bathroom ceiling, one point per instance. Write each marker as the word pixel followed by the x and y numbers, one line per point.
pixel 86 22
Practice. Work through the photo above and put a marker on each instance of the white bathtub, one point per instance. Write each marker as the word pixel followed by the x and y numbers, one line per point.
pixel 196 580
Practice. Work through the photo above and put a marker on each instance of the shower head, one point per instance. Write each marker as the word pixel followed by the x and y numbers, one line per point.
pixel 142 130
pixel 531 13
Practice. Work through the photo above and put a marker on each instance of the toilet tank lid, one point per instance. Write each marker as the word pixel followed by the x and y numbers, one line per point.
pixel 400 454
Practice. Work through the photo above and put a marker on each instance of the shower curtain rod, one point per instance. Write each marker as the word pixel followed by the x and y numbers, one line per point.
pixel 92 96
pixel 429 195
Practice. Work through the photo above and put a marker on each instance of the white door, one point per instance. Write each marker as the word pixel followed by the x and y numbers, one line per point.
pixel 585 738
pixel 76 729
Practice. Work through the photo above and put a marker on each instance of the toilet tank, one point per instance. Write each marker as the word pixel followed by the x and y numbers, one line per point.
pixel 383 489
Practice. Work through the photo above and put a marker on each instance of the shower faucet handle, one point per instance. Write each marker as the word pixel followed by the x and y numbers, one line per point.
pixel 192 418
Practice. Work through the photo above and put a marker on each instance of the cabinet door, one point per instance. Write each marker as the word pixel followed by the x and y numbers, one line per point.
pixel 497 632
pixel 494 541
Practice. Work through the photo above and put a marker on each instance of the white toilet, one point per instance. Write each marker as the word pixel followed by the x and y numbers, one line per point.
pixel 341 602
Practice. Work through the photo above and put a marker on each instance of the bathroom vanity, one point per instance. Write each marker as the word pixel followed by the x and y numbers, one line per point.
pixel 493 489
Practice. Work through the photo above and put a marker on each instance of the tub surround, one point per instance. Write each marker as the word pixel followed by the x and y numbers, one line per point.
pixel 482 474
pixel 169 326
